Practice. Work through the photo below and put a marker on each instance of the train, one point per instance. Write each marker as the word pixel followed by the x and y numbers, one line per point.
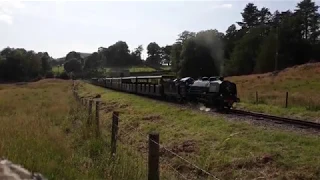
pixel 214 92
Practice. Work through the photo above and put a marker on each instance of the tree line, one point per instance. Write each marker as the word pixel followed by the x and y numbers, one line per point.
pixel 22 65
pixel 262 42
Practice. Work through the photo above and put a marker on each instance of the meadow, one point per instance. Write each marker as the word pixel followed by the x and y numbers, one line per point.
pixel 42 129
pixel 226 149
pixel 301 82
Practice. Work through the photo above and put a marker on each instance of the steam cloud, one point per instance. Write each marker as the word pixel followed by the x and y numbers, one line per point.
pixel 211 39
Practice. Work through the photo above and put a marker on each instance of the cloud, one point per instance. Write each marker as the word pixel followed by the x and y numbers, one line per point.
pixel 6 18
pixel 222 6
pixel 7 10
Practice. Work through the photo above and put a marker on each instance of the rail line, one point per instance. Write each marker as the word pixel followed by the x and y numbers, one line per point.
pixel 303 123
pixel 296 122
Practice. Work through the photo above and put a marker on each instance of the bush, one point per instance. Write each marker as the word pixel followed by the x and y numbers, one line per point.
pixel 49 74
pixel 64 75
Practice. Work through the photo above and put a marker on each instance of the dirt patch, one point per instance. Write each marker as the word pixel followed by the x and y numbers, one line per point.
pixel 153 117
pixel 123 106
pixel 252 162
pixel 189 146
pixel 108 107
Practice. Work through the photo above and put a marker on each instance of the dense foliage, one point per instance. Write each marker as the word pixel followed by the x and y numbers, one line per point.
pixel 22 65
pixel 261 42
pixel 268 42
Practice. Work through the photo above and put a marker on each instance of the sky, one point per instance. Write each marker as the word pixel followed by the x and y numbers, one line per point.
pixel 61 26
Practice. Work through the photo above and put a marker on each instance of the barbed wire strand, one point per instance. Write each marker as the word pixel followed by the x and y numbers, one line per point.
pixel 125 134
pixel 175 154
pixel 174 169
pixel 166 162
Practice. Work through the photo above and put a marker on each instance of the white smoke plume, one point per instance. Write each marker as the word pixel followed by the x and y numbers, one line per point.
pixel 212 39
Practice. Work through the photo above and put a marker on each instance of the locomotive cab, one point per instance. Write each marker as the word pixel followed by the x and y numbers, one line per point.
pixel 214 91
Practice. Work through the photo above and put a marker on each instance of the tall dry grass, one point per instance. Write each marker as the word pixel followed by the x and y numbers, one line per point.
pixel 301 82
pixel 43 128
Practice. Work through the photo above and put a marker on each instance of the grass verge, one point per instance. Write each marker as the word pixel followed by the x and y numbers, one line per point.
pixel 301 83
pixel 227 149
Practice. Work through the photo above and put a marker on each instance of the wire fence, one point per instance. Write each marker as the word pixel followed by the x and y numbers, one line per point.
pixel 148 157
pixel 282 99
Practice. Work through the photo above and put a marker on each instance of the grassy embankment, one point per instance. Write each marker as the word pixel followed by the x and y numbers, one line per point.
pixel 301 82
pixel 43 129
pixel 58 70
pixel 227 149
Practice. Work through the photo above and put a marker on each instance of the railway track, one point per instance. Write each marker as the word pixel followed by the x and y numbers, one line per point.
pixel 296 122
pixel 283 120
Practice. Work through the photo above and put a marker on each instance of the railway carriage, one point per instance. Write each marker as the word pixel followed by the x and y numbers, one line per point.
pixel 213 91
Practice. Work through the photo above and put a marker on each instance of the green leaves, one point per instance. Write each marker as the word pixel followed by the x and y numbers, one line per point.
pixel 154 54
pixel 21 65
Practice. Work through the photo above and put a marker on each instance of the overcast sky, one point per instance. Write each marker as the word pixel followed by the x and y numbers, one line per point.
pixel 59 27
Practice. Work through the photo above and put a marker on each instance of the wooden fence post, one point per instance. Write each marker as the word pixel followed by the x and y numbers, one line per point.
pixel 153 159
pixel 89 112
pixel 257 97
pixel 287 99
pixel 114 132
pixel 97 119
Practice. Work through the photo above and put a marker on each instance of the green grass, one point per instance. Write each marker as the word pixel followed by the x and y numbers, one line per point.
pixel 166 67
pixel 141 69
pixel 132 69
pixel 227 149
pixel 43 128
pixel 57 70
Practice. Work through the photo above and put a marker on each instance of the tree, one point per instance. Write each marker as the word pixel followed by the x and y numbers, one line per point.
pixel 267 54
pixel 136 55
pixel 196 60
pixel 165 54
pixel 118 54
pixel 73 65
pixel 6 51
pixel 175 57
pixel 231 37
pixel 243 57
pixel 185 35
pixel 250 16
pixel 92 62
pixel 45 62
pixel 264 16
pixel 308 12
pixel 73 55
pixel 154 54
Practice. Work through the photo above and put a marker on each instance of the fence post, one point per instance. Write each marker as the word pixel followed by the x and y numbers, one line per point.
pixel 153 160
pixel 114 132
pixel 286 99
pixel 97 119
pixel 257 97
pixel 89 112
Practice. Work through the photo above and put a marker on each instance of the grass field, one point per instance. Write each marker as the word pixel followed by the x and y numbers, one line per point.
pixel 57 70
pixel 301 82
pixel 227 149
pixel 132 69
pixel 42 128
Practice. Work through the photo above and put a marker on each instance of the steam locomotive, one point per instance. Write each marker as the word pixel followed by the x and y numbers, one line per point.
pixel 211 91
